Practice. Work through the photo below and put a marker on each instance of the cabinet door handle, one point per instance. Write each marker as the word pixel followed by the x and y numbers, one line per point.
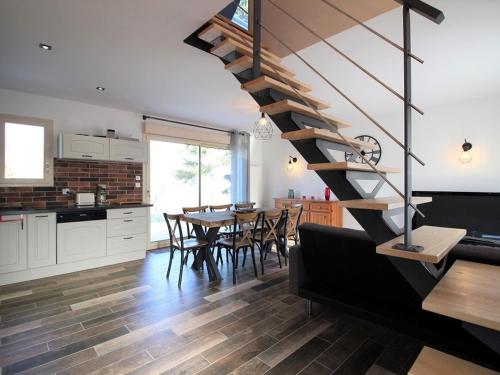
pixel 128 213
pixel 129 159
pixel 127 221
pixel 40 216
pixel 127 238
pixel 86 156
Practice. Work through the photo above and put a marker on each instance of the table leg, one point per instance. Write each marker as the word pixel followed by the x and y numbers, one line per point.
pixel 205 254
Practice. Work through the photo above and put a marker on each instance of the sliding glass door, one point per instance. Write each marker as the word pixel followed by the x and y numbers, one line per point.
pixel 185 175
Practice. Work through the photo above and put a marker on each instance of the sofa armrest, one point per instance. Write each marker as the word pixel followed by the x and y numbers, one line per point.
pixel 296 269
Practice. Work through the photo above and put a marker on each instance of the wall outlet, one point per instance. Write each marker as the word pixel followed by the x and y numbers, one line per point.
pixel 66 191
pixel 137 184
pixel 138 178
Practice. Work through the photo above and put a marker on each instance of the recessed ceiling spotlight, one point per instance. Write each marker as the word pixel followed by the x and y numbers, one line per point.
pixel 45 47
pixel 100 88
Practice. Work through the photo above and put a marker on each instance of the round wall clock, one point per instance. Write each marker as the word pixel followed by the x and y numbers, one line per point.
pixel 372 154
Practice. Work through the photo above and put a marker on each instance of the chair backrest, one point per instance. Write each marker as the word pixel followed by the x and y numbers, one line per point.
pixel 221 207
pixel 271 223
pixel 193 210
pixel 245 224
pixel 243 206
pixel 294 214
pixel 175 232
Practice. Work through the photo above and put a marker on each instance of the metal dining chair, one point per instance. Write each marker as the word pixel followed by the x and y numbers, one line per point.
pixel 190 229
pixel 268 233
pixel 178 242
pixel 244 206
pixel 294 215
pixel 242 238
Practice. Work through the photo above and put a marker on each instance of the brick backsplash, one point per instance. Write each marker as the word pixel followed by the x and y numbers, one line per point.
pixel 80 177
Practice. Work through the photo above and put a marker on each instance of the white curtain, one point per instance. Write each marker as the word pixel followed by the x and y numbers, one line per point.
pixel 240 158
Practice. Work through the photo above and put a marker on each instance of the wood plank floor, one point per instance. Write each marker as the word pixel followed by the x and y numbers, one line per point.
pixel 129 319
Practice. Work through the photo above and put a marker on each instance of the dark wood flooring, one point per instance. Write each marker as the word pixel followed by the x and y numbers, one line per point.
pixel 128 318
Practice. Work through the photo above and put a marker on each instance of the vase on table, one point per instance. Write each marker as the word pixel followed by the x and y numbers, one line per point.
pixel 327 193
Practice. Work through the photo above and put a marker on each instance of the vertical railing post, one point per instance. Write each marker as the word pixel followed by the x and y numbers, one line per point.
pixel 408 125
pixel 257 7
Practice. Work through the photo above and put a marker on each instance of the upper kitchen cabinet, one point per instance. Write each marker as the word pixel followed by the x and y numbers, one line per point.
pixel 74 146
pixel 128 151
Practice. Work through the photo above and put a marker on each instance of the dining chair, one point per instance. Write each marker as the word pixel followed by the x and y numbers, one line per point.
pixel 268 233
pixel 294 215
pixel 242 238
pixel 190 229
pixel 221 207
pixel 178 242
pixel 244 206
pixel 225 231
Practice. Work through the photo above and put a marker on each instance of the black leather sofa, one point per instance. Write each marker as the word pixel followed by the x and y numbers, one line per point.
pixel 340 267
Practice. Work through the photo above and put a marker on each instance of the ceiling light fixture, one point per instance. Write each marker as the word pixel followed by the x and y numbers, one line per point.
pixel 263 129
pixel 45 47
pixel 100 88
pixel 466 156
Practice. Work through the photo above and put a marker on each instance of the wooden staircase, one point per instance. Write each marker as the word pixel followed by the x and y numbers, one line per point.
pixel 308 133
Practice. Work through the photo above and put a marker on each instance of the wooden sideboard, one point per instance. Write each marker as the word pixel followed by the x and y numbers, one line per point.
pixel 315 210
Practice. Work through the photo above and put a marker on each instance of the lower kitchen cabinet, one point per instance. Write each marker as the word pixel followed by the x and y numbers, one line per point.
pixel 127 230
pixel 128 243
pixel 41 240
pixel 13 244
pixel 81 240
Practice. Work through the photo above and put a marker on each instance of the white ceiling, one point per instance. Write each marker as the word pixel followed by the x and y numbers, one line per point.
pixel 133 48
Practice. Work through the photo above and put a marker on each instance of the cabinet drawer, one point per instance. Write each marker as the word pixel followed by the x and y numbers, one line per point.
pixel 320 207
pixel 120 213
pixel 129 151
pixel 305 205
pixel 125 226
pixel 125 244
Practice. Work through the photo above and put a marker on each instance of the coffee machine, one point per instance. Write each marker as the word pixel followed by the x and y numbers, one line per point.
pixel 100 195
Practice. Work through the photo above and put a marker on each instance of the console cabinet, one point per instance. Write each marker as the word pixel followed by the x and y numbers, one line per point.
pixel 315 211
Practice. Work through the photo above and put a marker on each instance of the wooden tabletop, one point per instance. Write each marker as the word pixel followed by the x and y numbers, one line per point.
pixel 216 219
pixel 469 292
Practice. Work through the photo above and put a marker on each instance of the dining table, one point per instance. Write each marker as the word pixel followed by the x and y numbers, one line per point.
pixel 206 226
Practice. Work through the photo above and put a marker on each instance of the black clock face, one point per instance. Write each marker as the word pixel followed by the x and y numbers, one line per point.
pixel 372 154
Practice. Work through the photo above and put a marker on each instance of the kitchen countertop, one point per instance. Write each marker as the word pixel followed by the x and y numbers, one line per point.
pixel 28 210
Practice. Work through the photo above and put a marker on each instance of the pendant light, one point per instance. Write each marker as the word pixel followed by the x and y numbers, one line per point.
pixel 263 129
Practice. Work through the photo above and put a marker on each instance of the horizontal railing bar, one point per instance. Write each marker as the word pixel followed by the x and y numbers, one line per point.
pixel 373 31
pixel 344 139
pixel 424 9
pixel 390 89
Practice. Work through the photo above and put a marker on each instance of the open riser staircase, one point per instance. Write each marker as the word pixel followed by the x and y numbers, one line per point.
pixel 275 91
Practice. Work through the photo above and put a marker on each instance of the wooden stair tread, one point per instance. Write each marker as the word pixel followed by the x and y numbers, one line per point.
pixel 437 242
pixel 215 30
pixel 349 166
pixel 470 292
pixel 381 204
pixel 229 45
pixel 264 82
pixel 292 106
pixel 229 25
pixel 434 362
pixel 324 134
pixel 245 62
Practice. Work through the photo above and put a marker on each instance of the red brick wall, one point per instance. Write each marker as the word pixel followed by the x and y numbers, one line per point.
pixel 80 177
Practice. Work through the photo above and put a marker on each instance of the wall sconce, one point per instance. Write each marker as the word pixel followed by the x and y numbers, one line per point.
pixel 291 161
pixel 466 156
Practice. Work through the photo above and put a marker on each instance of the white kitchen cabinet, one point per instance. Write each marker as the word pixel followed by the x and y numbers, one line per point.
pixel 128 151
pixel 41 240
pixel 122 227
pixel 127 243
pixel 13 240
pixel 125 213
pixel 74 146
pixel 81 240
pixel 127 230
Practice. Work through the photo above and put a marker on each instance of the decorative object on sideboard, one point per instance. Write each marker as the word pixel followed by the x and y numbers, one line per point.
pixel 291 194
pixel 291 161
pixel 466 156
pixel 372 154
pixel 263 129
pixel 327 193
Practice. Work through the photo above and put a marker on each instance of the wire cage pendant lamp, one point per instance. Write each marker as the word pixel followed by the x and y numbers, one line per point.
pixel 263 129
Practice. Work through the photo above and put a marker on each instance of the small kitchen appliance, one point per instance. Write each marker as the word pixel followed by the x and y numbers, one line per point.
pixel 85 199
pixel 100 195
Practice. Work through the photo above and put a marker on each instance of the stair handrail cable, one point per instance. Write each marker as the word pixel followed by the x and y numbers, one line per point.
pixel 344 139
pixel 373 31
pixel 340 92
pixel 345 56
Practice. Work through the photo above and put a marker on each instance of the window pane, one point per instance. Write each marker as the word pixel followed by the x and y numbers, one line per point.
pixel 174 182
pixel 24 151
pixel 240 17
pixel 215 176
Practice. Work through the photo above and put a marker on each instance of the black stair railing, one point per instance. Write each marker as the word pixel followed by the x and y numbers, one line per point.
pixel 425 10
